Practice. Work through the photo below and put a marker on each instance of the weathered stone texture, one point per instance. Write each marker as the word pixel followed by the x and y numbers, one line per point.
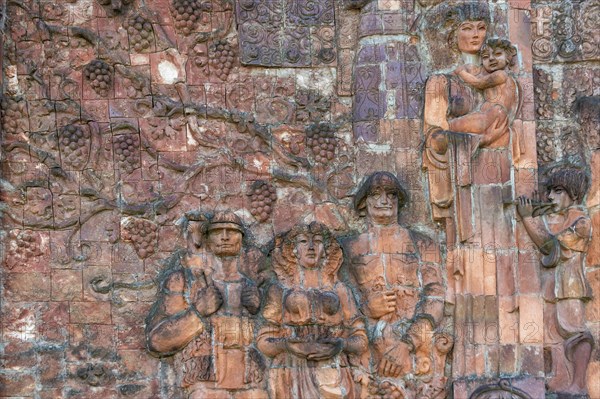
pixel 127 125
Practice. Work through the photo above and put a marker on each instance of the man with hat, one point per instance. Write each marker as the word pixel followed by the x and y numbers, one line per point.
pixel 205 311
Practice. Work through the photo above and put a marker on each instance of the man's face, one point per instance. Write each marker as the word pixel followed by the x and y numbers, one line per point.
pixel 225 241
pixel 560 198
pixel 470 36
pixel 310 249
pixel 494 59
pixel 382 205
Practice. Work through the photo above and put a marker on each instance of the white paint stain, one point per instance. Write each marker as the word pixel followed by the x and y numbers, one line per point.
pixel 168 72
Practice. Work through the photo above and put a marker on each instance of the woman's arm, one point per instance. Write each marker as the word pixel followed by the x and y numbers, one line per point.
pixel 484 82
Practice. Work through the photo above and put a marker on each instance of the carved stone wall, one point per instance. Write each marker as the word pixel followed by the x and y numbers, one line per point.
pixel 129 126
pixel 566 73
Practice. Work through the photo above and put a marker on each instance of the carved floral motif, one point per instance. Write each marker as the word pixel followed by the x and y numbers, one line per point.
pixel 307 40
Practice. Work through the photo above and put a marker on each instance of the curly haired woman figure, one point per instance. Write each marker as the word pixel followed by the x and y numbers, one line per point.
pixel 313 324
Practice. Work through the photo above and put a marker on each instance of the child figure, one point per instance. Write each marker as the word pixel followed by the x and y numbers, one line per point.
pixel 563 236
pixel 500 91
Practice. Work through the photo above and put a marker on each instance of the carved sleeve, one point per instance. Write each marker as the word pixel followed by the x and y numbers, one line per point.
pixel 271 338
pixel 173 322
pixel 577 236
pixel 354 322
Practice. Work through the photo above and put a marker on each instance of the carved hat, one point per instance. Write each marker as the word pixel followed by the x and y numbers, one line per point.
pixel 226 220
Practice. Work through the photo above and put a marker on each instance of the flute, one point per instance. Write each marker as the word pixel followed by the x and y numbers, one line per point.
pixel 535 203
pixel 539 207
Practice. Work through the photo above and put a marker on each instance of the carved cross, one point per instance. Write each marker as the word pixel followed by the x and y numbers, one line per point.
pixel 540 19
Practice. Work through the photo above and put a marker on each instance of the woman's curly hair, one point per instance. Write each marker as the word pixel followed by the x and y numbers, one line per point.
pixel 285 259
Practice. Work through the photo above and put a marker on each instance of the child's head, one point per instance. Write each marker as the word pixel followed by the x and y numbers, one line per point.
pixel 497 54
pixel 573 183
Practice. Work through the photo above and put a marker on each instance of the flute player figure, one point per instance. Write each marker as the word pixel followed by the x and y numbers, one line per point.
pixel 563 233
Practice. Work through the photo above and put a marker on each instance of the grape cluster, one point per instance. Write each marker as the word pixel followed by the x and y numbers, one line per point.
pixel 13 116
pixel 140 33
pixel 262 197
pixel 99 75
pixel 385 390
pixel 25 245
pixel 188 13
pixel 221 58
pixel 127 151
pixel 143 234
pixel 321 140
pixel 74 145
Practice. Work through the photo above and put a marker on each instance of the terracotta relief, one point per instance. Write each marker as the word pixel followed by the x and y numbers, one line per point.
pixel 470 148
pixel 375 154
pixel 448 96
pixel 311 329
pixel 292 33
pixel 313 332
pixel 561 229
pixel 401 293
pixel 205 310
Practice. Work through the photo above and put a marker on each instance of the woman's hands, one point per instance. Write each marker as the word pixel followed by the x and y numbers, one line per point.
pixel 319 350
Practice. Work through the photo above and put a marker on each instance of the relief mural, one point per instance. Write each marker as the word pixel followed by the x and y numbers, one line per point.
pixel 302 199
